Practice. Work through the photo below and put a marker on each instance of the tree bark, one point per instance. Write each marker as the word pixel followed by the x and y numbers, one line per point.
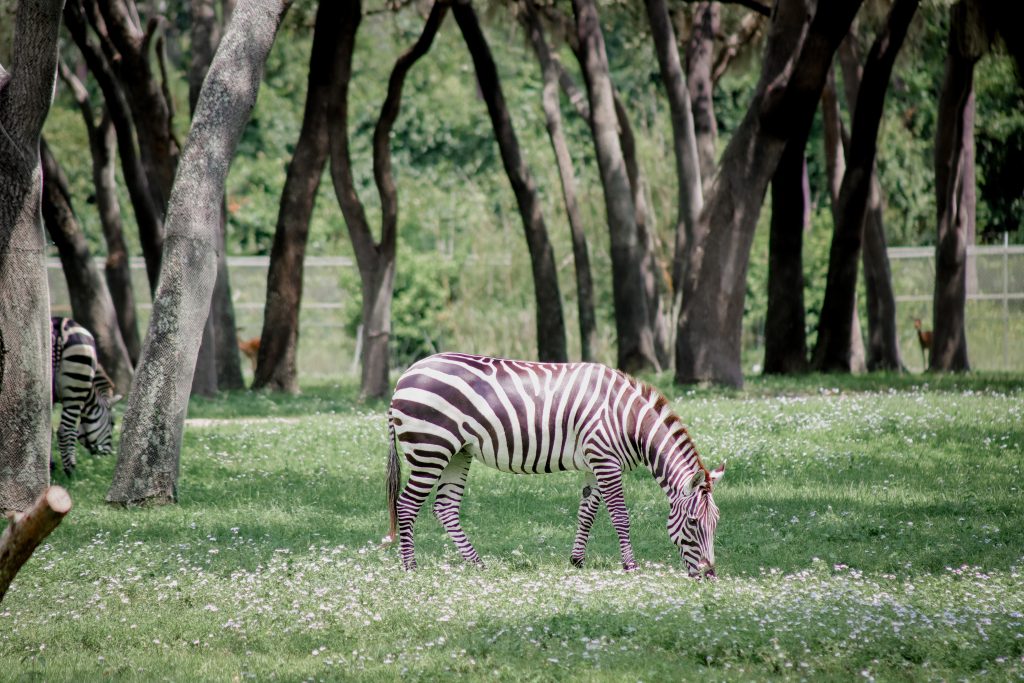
pixel 376 260
pixel 26 531
pixel 954 191
pixel 553 119
pixel 91 304
pixel 883 351
pixel 832 351
pixel 689 194
pixel 25 383
pixel 699 57
pixel 102 147
pixel 218 353
pixel 797 58
pixel 636 344
pixel 276 367
pixel 551 344
pixel 785 337
pixel 147 464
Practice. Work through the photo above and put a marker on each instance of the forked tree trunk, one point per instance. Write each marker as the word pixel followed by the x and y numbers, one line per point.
pixel 26 530
pixel 147 464
pixel 553 118
pixel 376 260
pixel 636 348
pixel 103 147
pixel 785 337
pixel 954 191
pixel 689 195
pixel 277 364
pixel 797 59
pixel 25 95
pixel 91 304
pixel 699 58
pixel 551 344
pixel 832 351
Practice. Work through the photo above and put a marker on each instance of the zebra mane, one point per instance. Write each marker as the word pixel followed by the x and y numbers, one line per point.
pixel 670 419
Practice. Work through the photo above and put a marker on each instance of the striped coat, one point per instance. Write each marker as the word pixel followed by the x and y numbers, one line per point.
pixel 531 418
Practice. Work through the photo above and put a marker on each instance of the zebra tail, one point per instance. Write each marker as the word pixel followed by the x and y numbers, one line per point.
pixel 394 474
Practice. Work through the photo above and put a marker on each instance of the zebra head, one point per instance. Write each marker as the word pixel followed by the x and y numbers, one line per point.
pixel 96 425
pixel 692 520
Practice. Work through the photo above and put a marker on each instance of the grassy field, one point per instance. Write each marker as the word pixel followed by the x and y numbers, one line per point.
pixel 871 528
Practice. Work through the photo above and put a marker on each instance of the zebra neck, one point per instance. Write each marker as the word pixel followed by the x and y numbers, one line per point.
pixel 672 457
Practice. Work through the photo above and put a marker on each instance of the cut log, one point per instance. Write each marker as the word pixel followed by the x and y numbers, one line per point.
pixel 27 530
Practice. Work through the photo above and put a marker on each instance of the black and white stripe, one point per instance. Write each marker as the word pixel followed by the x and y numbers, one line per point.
pixel 83 389
pixel 530 418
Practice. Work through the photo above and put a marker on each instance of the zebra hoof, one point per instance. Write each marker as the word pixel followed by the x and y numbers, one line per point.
pixel 630 566
pixel 576 562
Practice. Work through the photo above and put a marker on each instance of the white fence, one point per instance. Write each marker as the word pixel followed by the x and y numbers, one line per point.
pixel 995 305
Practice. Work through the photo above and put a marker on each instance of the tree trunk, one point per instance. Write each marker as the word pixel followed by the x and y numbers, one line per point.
pixel 276 368
pixel 25 381
pixel 883 352
pixel 102 147
pixel 699 57
pixel 832 351
pixel 954 192
pixel 785 336
pixel 797 58
pixel 553 119
pixel 148 214
pixel 220 341
pixel 551 345
pixel 27 530
pixel 91 304
pixel 689 194
pixel 632 319
pixel 147 464
pixel 376 261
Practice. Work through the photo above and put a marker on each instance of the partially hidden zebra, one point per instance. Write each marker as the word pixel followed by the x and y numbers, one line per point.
pixel 84 391
pixel 530 418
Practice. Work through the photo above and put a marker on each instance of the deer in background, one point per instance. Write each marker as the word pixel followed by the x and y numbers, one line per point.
pixel 924 338
pixel 251 349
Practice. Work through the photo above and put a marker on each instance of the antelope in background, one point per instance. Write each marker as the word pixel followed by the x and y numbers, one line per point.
pixel 924 338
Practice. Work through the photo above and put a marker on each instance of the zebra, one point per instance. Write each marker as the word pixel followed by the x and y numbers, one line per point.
pixel 84 391
pixel 529 418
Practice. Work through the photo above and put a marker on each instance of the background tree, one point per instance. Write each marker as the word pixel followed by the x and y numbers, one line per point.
pixel 25 94
pixel 147 464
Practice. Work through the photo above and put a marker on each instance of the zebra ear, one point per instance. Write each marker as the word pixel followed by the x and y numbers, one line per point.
pixel 114 399
pixel 695 481
pixel 717 473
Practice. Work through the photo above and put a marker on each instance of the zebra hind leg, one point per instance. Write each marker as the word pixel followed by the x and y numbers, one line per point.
pixel 590 502
pixel 421 481
pixel 448 501
pixel 67 435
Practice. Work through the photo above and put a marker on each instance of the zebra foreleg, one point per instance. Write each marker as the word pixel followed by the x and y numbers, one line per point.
pixel 589 504
pixel 67 435
pixel 448 501
pixel 610 485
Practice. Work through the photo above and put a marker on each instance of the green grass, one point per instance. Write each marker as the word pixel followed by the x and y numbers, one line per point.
pixel 866 531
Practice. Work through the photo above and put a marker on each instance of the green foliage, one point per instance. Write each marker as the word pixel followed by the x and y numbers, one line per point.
pixel 867 525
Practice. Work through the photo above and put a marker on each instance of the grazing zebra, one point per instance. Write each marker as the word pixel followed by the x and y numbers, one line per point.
pixel 531 418
pixel 83 389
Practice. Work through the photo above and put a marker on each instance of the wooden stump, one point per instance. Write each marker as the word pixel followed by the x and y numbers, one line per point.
pixel 26 531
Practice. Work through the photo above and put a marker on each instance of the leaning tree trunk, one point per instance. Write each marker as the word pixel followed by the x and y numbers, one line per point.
pixel 883 351
pixel 553 117
pixel 91 304
pixel 954 191
pixel 277 367
pixel 551 345
pixel 797 59
pixel 376 260
pixel 27 530
pixel 25 95
pixel 632 320
pixel 220 340
pixel 699 57
pixel 832 351
pixel 147 464
pixel 102 147
pixel 785 339
pixel 689 194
